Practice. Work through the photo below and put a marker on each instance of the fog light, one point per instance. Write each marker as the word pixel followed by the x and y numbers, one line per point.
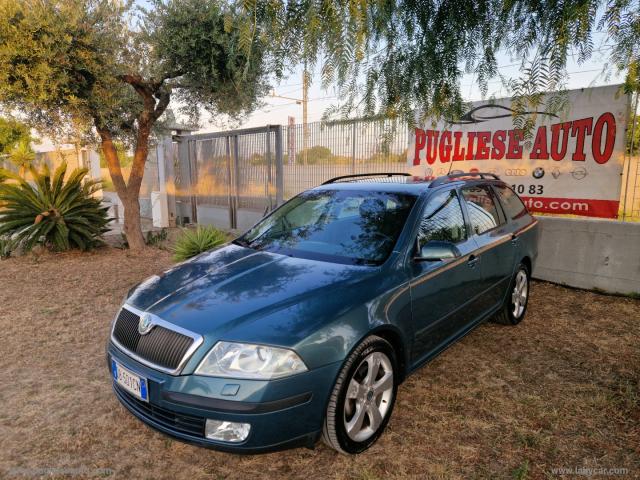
pixel 226 431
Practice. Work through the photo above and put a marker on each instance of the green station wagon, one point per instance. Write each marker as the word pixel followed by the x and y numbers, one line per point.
pixel 305 326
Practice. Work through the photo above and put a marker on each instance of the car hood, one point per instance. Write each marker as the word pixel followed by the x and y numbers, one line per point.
pixel 226 289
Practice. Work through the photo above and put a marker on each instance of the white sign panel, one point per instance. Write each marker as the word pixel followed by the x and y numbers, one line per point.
pixel 572 164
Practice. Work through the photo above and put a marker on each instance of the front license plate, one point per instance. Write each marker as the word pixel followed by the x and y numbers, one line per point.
pixel 132 383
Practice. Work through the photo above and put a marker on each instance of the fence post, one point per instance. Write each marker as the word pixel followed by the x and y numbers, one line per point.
pixel 236 181
pixel 353 147
pixel 229 182
pixel 269 185
pixel 183 166
pixel 193 180
pixel 279 167
pixel 166 175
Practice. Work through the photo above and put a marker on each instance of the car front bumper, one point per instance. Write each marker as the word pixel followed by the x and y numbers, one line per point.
pixel 283 413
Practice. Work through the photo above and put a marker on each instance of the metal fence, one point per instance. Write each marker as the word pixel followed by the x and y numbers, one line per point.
pixel 630 190
pixel 325 150
pixel 233 178
pixel 221 175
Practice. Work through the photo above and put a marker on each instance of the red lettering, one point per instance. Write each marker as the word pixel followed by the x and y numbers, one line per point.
pixel 482 149
pixel 559 153
pixel 515 148
pixel 458 153
pixel 445 146
pixel 470 136
pixel 421 141
pixel 432 145
pixel 582 128
pixel 539 150
pixel 498 144
pixel 603 155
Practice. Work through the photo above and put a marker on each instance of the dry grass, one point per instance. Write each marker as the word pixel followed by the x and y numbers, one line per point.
pixel 560 390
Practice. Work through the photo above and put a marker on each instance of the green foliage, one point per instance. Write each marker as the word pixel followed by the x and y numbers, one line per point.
pixel 219 52
pixel 156 239
pixel 12 134
pixel 124 156
pixel 191 242
pixel 56 212
pixel 522 471
pixel 633 135
pixel 5 175
pixel 390 57
pixel 102 70
pixel 314 155
pixel 22 156
pixel 7 246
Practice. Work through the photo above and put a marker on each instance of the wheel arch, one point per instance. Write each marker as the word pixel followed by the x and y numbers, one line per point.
pixel 527 263
pixel 393 335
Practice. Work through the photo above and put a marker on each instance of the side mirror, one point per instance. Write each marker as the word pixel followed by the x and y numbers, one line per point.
pixel 435 251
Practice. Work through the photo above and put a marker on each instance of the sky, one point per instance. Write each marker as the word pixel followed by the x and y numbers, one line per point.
pixel 277 110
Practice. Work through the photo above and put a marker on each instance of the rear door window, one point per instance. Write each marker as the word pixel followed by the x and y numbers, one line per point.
pixel 484 213
pixel 511 203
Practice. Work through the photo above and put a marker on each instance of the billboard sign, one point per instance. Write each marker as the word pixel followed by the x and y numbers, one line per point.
pixel 572 164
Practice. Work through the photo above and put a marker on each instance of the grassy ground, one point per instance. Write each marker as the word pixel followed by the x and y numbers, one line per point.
pixel 559 391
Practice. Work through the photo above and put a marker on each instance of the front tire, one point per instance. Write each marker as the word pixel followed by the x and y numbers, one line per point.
pixel 363 397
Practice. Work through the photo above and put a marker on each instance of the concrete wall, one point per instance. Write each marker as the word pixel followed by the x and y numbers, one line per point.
pixel 590 254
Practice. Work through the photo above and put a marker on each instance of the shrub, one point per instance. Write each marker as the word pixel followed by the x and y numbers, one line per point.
pixel 53 212
pixel 7 245
pixel 192 242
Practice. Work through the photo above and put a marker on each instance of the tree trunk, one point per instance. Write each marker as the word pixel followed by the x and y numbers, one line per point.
pixel 155 101
pixel 128 194
pixel 132 224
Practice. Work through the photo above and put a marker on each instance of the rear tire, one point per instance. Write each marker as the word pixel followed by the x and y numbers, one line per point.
pixel 515 305
pixel 362 399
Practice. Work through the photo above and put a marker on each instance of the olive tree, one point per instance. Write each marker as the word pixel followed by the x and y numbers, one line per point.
pixel 107 70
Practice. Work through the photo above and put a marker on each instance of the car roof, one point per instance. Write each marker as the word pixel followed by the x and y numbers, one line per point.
pixel 405 184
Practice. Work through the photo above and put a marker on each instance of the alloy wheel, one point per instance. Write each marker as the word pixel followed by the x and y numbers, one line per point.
pixel 368 397
pixel 520 294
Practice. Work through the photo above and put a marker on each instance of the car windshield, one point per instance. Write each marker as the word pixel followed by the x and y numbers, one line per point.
pixel 341 226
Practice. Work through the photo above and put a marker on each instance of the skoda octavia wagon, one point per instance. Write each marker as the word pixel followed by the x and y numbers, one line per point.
pixel 305 326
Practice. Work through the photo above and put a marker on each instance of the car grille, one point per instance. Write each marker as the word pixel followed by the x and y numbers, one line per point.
pixel 179 422
pixel 161 346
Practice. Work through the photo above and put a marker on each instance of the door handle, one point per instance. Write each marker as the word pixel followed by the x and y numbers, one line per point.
pixel 473 261
pixel 514 238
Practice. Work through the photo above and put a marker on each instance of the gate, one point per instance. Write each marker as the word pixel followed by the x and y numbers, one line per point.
pixel 230 179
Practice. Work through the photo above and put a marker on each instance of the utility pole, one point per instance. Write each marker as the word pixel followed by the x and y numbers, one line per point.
pixel 304 102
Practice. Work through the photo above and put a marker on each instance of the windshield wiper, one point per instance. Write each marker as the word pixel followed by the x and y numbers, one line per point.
pixel 365 262
pixel 241 242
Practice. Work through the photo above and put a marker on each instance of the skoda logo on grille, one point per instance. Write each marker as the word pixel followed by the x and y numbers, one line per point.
pixel 145 324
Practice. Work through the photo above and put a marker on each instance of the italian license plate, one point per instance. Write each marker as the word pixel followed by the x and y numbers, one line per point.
pixel 132 383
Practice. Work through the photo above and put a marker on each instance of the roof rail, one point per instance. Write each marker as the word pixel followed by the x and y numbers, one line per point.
pixel 360 175
pixel 453 176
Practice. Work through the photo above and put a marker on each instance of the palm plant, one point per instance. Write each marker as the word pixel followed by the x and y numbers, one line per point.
pixel 51 211
pixel 192 242
pixel 22 156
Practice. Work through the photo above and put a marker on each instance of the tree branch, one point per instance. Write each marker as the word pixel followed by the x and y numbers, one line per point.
pixel 164 96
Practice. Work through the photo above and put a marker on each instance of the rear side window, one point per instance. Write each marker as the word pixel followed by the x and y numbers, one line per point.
pixel 511 203
pixel 483 211
pixel 442 220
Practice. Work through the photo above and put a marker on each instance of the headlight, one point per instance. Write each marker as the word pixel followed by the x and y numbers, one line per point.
pixel 254 362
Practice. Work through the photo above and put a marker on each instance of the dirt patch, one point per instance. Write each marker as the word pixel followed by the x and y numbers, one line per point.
pixel 561 390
